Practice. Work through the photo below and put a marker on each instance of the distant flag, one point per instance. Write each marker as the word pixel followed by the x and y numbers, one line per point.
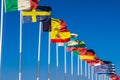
pixel 18 5
pixel 76 52
pixel 104 69
pixel 36 15
pixel 96 62
pixel 89 55
pixel 114 77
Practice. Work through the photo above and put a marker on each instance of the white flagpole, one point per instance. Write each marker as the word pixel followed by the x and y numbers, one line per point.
pixel 39 48
pixel 89 72
pixel 92 73
pixel 85 69
pixel 57 61
pixel 65 72
pixel 20 59
pixel 1 29
pixel 96 76
pixel 71 65
pixel 81 67
pixel 49 57
pixel 78 66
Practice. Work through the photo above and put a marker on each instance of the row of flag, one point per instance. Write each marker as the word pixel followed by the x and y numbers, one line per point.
pixel 32 12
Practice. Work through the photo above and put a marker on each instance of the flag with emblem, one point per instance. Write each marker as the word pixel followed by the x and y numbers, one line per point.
pixel 41 13
pixel 18 5
pixel 60 36
pixel 59 32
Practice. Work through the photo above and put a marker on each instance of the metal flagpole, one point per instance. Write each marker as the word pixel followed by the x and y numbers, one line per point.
pixel 81 67
pixel 71 65
pixel 92 73
pixel 39 41
pixel 20 58
pixel 89 72
pixel 57 61
pixel 85 69
pixel 78 66
pixel 96 76
pixel 49 57
pixel 1 29
pixel 65 72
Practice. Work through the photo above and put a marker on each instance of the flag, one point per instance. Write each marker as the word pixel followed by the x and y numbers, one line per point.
pixel 18 5
pixel 76 52
pixel 86 57
pixel 104 69
pixel 89 55
pixel 60 36
pixel 58 24
pixel 114 77
pixel 95 62
pixel 73 40
pixel 36 15
pixel 46 25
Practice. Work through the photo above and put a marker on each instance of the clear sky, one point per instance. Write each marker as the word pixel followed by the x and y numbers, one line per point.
pixel 96 21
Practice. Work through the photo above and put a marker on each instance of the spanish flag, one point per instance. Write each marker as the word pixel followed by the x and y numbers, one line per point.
pixel 60 36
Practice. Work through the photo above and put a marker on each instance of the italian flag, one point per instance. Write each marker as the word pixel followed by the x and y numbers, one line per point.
pixel 18 5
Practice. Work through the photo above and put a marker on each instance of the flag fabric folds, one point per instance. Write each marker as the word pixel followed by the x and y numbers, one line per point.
pixel 36 15
pixel 46 25
pixel 18 5
pixel 104 69
pixel 59 32
pixel 96 62
pixel 114 76
pixel 89 55
pixel 60 36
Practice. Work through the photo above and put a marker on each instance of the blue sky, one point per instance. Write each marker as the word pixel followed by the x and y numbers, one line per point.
pixel 96 21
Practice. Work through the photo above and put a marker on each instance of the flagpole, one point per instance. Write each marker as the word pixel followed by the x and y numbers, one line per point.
pixel 49 57
pixel 92 74
pixel 65 72
pixel 89 72
pixel 57 61
pixel 78 66
pixel 20 58
pixel 71 65
pixel 96 76
pixel 1 29
pixel 85 69
pixel 39 48
pixel 81 67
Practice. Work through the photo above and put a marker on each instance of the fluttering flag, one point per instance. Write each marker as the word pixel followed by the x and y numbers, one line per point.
pixel 18 5
pixel 89 55
pixel 96 62
pixel 60 36
pixel 58 24
pixel 59 32
pixel 36 15
pixel 73 40
pixel 114 76
pixel 46 25
pixel 104 69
